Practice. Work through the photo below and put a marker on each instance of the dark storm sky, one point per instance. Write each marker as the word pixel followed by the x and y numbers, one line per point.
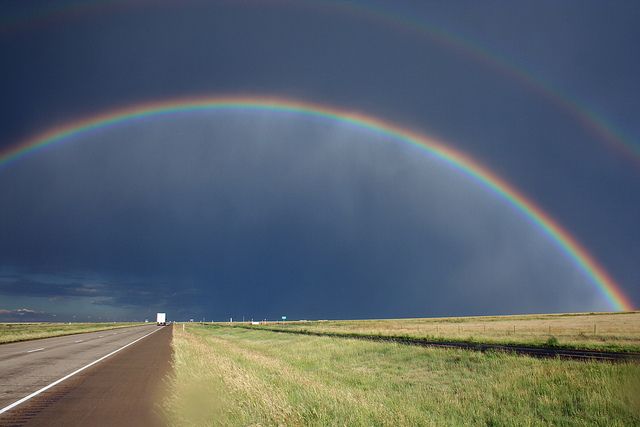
pixel 265 214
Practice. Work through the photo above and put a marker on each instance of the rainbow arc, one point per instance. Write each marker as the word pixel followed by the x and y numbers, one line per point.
pixel 460 161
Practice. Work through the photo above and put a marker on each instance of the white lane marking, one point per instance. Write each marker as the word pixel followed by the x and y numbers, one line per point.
pixel 37 349
pixel 53 384
pixel 100 336
pixel 79 340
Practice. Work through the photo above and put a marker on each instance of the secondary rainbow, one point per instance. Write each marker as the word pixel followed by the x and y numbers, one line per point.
pixel 608 288
pixel 581 111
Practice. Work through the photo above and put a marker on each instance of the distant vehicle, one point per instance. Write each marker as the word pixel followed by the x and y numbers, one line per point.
pixel 161 319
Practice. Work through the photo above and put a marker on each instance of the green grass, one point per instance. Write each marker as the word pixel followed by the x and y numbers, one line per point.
pixel 595 331
pixel 12 332
pixel 232 376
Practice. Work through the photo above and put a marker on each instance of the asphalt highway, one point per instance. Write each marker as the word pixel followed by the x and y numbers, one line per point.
pixel 120 389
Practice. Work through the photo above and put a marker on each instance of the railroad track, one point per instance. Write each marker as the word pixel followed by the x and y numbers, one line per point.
pixel 542 352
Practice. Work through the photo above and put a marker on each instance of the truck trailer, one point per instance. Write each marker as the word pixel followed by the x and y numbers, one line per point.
pixel 161 319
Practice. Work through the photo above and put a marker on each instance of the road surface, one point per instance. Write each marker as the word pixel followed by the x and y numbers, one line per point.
pixel 121 389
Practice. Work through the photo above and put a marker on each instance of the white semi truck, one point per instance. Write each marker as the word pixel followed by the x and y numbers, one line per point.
pixel 161 319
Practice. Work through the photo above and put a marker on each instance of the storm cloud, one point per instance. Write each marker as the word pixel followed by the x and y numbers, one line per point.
pixel 263 214
pixel 25 315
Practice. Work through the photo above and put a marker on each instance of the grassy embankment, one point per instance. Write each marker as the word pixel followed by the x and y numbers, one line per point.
pixel 233 376
pixel 598 331
pixel 12 332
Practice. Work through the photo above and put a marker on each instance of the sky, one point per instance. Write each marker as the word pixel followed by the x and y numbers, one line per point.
pixel 261 214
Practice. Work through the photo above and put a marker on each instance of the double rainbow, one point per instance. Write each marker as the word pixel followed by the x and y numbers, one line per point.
pixel 608 288
pixel 392 15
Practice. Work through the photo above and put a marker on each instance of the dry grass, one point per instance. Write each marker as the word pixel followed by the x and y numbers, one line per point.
pixel 12 332
pixel 612 331
pixel 232 376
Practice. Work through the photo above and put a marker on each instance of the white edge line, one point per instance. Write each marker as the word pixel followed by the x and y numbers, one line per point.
pixel 37 349
pixel 45 388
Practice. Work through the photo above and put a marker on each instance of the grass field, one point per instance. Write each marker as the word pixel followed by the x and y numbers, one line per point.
pixel 604 331
pixel 233 376
pixel 11 332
